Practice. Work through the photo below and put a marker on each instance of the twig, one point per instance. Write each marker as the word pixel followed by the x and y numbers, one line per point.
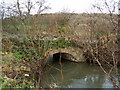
pixel 61 70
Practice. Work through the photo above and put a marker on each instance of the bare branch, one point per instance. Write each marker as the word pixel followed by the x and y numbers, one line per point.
pixel 18 6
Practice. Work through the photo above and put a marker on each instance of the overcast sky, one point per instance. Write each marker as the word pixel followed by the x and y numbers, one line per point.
pixel 77 6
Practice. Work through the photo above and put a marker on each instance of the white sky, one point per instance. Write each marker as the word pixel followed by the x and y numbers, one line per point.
pixel 77 6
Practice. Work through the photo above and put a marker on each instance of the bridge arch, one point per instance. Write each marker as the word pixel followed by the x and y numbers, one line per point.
pixel 69 53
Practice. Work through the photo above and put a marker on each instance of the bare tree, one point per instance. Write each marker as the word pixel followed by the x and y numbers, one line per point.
pixel 110 8
pixel 25 8
pixel 21 11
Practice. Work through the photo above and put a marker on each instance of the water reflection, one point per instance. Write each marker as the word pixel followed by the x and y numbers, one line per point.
pixel 76 75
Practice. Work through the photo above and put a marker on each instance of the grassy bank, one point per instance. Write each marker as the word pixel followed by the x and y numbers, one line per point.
pixel 26 44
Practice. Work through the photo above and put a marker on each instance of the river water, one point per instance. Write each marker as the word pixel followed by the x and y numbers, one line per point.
pixel 76 75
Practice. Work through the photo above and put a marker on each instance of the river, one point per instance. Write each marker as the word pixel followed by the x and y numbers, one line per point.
pixel 76 75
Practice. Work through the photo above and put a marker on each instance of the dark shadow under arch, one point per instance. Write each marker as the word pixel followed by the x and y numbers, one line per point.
pixel 65 57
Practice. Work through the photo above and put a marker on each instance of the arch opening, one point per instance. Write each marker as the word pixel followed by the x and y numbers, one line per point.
pixel 65 57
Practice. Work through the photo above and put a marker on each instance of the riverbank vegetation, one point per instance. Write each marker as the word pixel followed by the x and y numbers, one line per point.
pixel 27 39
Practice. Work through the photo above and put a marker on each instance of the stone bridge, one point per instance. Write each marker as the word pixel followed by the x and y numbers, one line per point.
pixel 74 54
pixel 72 51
